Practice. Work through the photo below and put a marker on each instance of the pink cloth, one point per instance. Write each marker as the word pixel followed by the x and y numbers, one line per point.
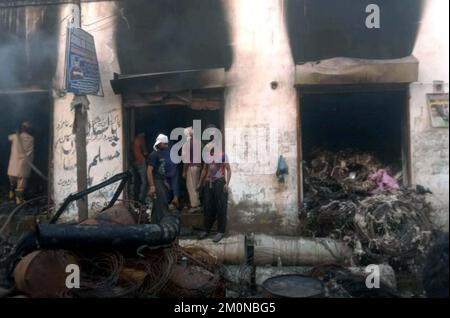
pixel 384 181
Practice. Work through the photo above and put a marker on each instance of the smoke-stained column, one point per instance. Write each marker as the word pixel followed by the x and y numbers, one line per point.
pixel 104 140
pixel 104 129
pixel 64 144
pixel 261 119
pixel 430 154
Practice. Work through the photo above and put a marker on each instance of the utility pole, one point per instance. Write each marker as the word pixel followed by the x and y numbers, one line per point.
pixel 80 105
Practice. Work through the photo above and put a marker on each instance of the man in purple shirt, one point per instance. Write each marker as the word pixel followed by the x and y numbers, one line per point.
pixel 215 179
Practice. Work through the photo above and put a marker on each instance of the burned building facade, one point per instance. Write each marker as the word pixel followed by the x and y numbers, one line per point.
pixel 287 76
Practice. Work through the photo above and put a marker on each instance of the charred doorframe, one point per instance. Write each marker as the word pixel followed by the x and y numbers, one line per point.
pixel 360 88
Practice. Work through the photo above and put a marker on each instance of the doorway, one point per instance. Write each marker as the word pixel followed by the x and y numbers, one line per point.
pixel 162 119
pixel 373 119
pixel 17 108
pixel 155 120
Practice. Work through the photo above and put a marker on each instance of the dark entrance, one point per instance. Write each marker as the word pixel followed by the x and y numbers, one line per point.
pixel 155 120
pixel 16 108
pixel 372 119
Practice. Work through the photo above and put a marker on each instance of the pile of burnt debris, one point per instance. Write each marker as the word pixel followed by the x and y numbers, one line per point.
pixel 164 272
pixel 116 254
pixel 111 261
pixel 355 214
pixel 351 196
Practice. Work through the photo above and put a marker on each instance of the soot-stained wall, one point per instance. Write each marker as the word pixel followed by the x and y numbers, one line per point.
pixel 261 121
pixel 429 145
pixel 28 46
pixel 322 29
pixel 172 35
pixel 104 130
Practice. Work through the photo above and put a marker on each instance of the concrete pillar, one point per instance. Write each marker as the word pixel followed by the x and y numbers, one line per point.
pixel 261 113
pixel 104 131
pixel 430 154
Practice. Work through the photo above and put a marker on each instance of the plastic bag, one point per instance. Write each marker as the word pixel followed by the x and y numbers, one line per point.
pixel 282 169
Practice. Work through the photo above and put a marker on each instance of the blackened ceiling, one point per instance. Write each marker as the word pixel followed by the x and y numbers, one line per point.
pixel 172 35
pixel 321 29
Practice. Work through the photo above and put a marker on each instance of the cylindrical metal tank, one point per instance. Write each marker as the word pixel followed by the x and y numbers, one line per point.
pixel 230 251
pixel 295 251
pixel 42 274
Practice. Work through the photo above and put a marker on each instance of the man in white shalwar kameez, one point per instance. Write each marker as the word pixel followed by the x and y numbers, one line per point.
pixel 21 158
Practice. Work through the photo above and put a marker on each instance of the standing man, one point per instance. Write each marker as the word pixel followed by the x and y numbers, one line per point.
pixel 173 180
pixel 139 150
pixel 156 175
pixel 20 160
pixel 192 168
pixel 216 178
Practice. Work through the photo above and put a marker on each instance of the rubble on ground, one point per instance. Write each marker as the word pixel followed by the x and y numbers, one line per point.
pixel 352 196
pixel 149 271
pixel 342 282
pixel 163 272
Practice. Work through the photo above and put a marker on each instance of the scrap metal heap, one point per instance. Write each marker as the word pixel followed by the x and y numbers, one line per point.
pixel 118 253
pixel 350 195
pixel 120 269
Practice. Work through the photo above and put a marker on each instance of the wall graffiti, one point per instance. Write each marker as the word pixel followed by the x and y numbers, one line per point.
pixel 99 160
pixel 99 199
pixel 105 127
pixel 66 182
pixel 104 155
pixel 65 163
pixel 65 144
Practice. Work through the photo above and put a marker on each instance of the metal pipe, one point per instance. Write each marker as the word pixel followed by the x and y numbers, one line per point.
pixel 123 177
pixel 109 237
pixel 271 250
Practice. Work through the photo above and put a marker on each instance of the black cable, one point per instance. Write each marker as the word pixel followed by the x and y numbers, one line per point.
pixel 16 210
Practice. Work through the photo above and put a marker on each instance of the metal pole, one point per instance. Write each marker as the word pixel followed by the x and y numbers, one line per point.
pixel 80 137
pixel 80 124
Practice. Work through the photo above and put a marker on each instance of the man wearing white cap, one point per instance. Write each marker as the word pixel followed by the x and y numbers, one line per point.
pixel 156 175
pixel 20 160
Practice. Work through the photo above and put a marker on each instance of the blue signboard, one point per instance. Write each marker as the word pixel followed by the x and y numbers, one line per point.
pixel 82 69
